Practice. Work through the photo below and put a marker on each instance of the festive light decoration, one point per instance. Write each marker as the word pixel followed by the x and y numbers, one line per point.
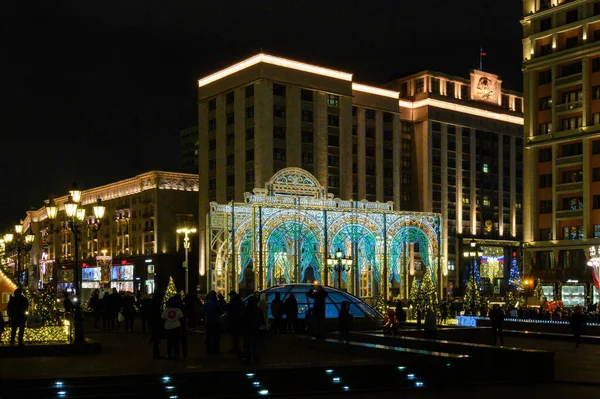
pixel 426 296
pixel 44 304
pixel 538 291
pixel 470 288
pixel 514 277
pixel 171 291
pixel 47 334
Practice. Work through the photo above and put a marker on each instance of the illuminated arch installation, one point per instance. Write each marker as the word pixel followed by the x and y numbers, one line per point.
pixel 285 232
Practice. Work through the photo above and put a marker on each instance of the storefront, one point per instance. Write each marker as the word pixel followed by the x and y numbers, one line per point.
pixel 90 280
pixel 66 278
pixel 122 277
pixel 149 284
pixel 548 290
pixel 573 293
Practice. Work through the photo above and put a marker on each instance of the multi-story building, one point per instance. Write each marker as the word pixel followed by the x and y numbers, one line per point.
pixel 266 113
pixel 468 139
pixel 561 64
pixel 137 241
pixel 189 149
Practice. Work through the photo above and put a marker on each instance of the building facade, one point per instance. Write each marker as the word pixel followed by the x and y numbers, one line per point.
pixel 369 143
pixel 189 149
pixel 561 64
pixel 136 248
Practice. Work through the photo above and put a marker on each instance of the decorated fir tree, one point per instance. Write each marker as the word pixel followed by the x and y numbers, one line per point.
pixel 170 291
pixel 46 306
pixel 427 296
pixel 514 277
pixel 414 292
pixel 511 301
pixel 471 289
pixel 538 291
pixel 380 305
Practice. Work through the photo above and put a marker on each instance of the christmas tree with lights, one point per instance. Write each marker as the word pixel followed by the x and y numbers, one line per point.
pixel 514 277
pixel 170 292
pixel 538 292
pixel 427 296
pixel 46 306
pixel 471 289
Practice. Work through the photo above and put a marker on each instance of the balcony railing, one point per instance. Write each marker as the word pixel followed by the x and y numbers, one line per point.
pixel 568 106
pixel 574 159
pixel 568 79
pixel 570 214
pixel 567 187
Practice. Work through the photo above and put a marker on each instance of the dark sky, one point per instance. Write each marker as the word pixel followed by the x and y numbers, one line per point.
pixel 96 91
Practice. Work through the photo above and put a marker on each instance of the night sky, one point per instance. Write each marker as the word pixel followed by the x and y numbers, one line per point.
pixel 97 91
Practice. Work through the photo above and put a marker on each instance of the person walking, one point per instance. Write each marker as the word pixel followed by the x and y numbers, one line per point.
pixel 105 311
pixel 277 312
pixel 290 307
pixel 212 324
pixel 577 324
pixel 17 306
pixel 172 316
pixel 128 309
pixel 497 321
pixel 345 321
pixel 235 307
pixel 95 307
pixel 318 295
pixel 115 308
pixel 156 323
pixel 252 318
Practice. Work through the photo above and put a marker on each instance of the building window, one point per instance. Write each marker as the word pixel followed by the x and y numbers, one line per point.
pixel 370 114
pixel 404 89
pixel 369 151
pixel 229 97
pixel 435 85
pixel 250 176
pixel 212 144
pixel 596 201
pixel 450 89
pixel 212 184
pixel 545 206
pixel 370 132
pixel 544 128
pixel 212 164
pixel 307 136
pixel 250 155
pixel 333 140
pixel 419 85
pixel 278 154
pixel 230 180
pixel 279 111
pixel 572 41
pixel 571 69
pixel 464 92
pixel 307 157
pixel 545 77
pixel 545 103
pixel 230 118
pixel 546 181
pixel 250 133
pixel 333 120
pixel 572 123
pixel 388 135
pixel 466 199
pixel 387 117
pixel 333 160
pixel 249 91
pixel 597 8
pixel 249 112
pixel 596 147
pixel 306 95
pixel 545 154
pixel 519 104
pixel 333 181
pixel 278 90
pixel 212 124
pixel 485 168
pixel 229 140
pixel 279 132
pixel 307 116
pixel 406 162
pixel 572 16
pixel 333 100
pixel 230 160
pixel 545 24
pixel 545 234
pixel 405 145
pixel 597 231
pixel 212 104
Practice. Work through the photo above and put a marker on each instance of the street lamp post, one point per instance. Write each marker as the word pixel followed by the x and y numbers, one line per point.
pixel 19 242
pixel 186 244
pixel 474 254
pixel 74 222
pixel 339 264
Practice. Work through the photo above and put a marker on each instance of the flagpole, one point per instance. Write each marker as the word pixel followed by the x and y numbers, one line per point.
pixel 480 58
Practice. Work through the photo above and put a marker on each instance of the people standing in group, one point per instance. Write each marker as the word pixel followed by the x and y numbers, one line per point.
pixel 128 309
pixel 156 323
pixel 252 319
pixel 17 306
pixel 290 307
pixel 497 321
pixel 345 321
pixel 212 324
pixel 172 316
pixel 235 307
pixel 95 306
pixel 105 311
pixel 221 301
pixel 318 295
pixel 577 324
pixel 277 313
pixel 115 308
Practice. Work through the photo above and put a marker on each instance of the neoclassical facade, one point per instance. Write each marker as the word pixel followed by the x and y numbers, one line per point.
pixel 285 232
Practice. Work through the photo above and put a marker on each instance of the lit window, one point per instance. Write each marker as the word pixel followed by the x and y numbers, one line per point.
pixel 333 101
pixel 486 201
pixel 485 168
pixel 451 266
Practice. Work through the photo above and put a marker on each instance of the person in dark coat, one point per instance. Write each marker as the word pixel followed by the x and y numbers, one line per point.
pixel 577 324
pixel 290 307
pixel 105 311
pixel 115 308
pixel 345 321
pixel 145 305
pixel 497 321
pixel 252 320
pixel 128 308
pixel 17 306
pixel 318 295
pixel 156 323
pixel 400 314
pixel 235 307
pixel 221 301
pixel 212 324
pixel 95 307
pixel 277 313
pixel 183 328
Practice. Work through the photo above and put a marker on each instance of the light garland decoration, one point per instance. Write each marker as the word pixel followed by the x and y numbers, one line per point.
pixel 169 292
pixel 470 321
pixel 47 334
pixel 301 225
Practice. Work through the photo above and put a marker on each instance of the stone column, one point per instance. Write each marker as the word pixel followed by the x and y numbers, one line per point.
pixel 221 157
pixel 263 132
pixel 239 142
